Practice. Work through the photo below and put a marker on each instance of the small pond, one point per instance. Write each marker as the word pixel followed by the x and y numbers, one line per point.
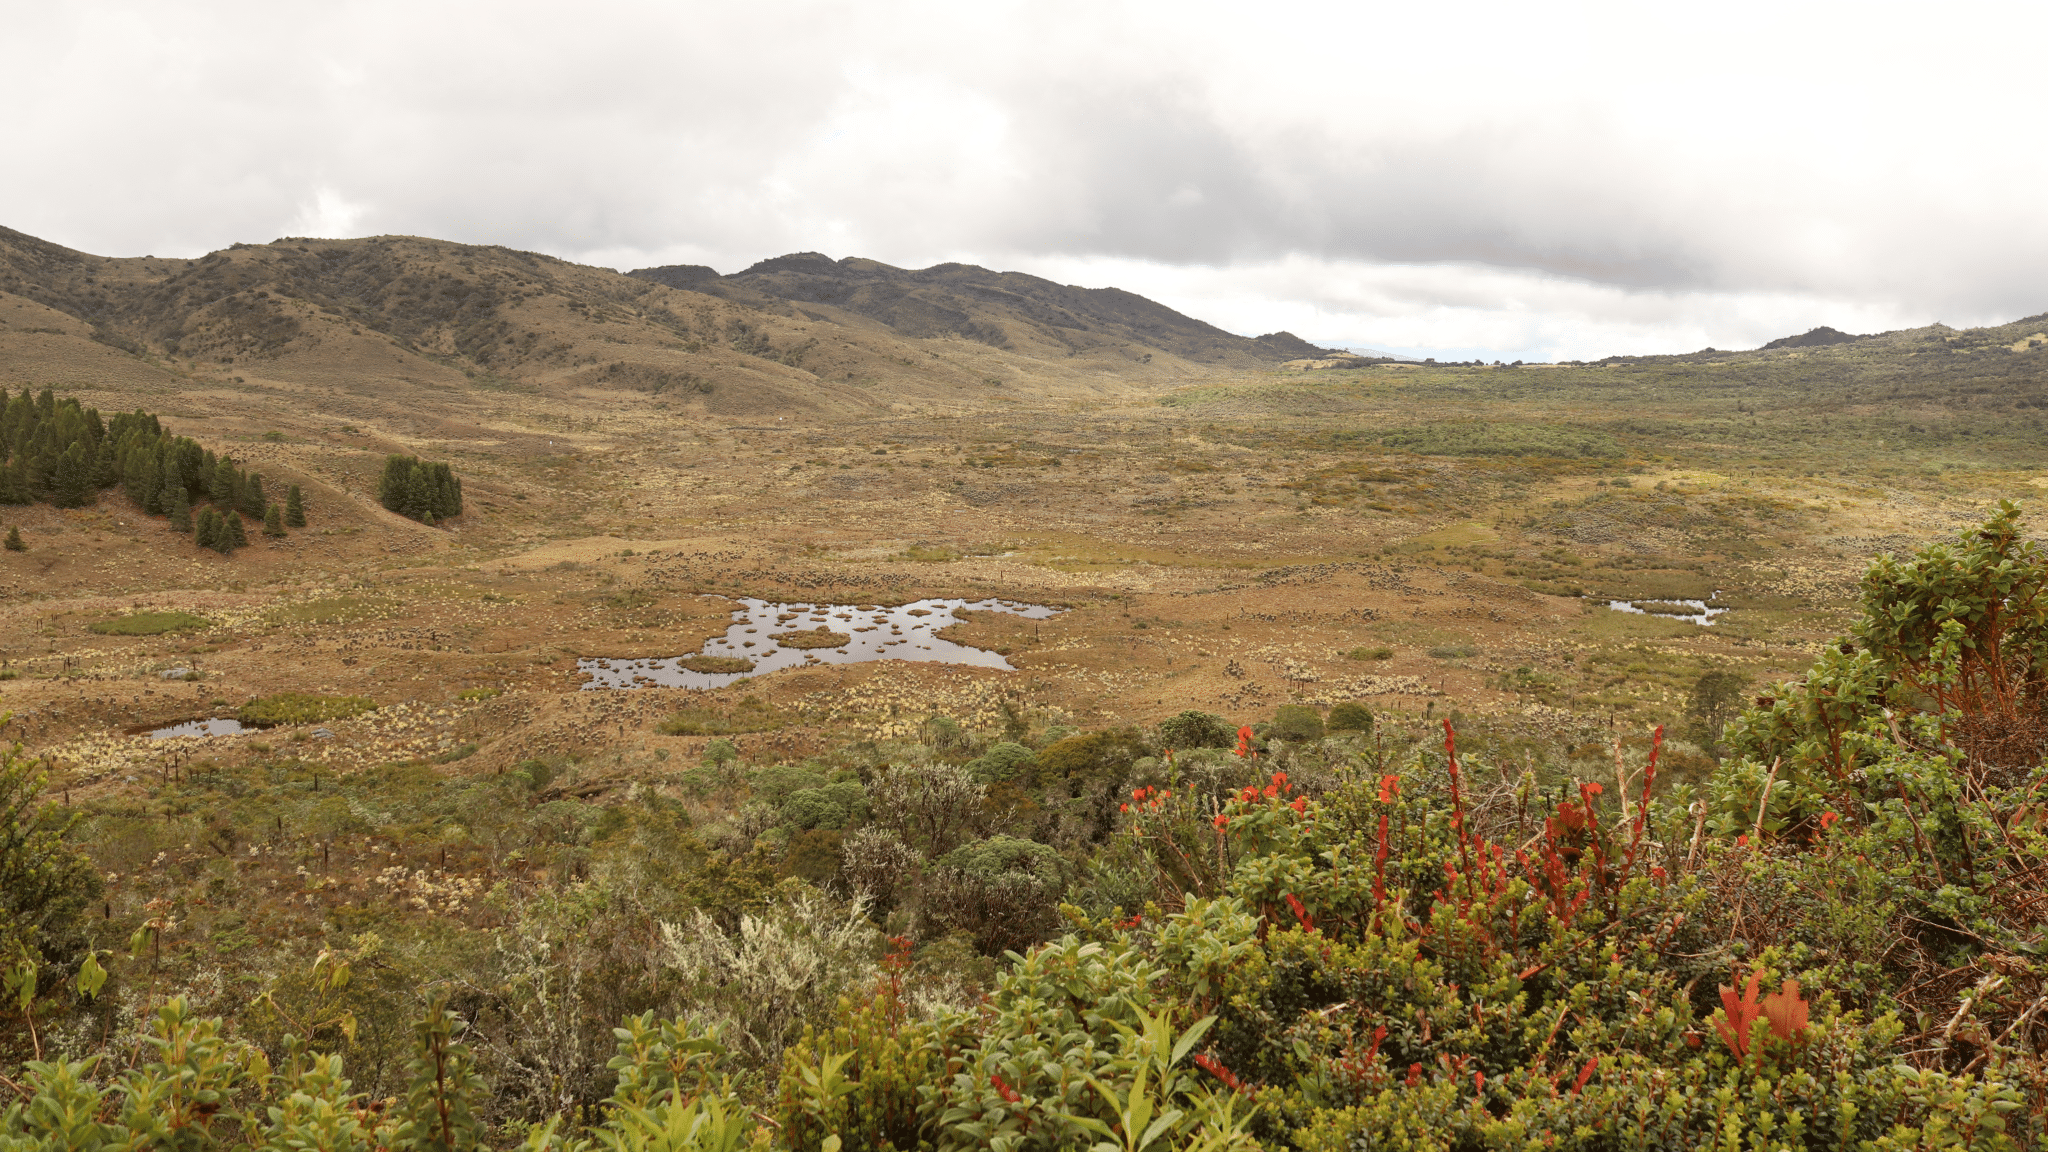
pixel 906 632
pixel 227 727
pixel 1700 612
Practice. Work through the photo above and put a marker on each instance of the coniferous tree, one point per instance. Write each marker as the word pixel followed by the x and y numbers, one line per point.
pixel 393 485
pixel 273 521
pixel 208 534
pixel 221 484
pixel 71 485
pixel 237 536
pixel 169 489
pixel 294 508
pixel 253 502
pixel 14 543
pixel 181 513
pixel 14 483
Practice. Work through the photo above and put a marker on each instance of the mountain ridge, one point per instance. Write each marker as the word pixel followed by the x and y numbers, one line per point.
pixel 1000 309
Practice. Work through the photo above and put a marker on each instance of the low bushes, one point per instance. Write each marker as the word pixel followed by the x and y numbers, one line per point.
pixel 150 624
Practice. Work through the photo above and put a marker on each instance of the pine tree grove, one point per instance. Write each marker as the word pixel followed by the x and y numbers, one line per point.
pixel 60 452
pixel 427 492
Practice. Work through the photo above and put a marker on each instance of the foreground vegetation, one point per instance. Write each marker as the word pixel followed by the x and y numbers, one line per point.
pixel 1042 938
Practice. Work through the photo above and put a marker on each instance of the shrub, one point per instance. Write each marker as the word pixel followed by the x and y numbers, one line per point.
pixel 1370 654
pixel 931 806
pixel 1350 717
pixel 782 968
pixel 1296 724
pixel 45 881
pixel 815 808
pixel 1006 760
pixel 1196 729
pixel 1001 891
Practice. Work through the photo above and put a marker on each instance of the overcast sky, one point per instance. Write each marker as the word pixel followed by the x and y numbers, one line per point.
pixel 1508 180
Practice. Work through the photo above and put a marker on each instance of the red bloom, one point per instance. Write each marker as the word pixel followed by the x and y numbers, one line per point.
pixel 1300 804
pixel 1827 820
pixel 1742 841
pixel 1390 787
pixel 1222 821
pixel 1214 1067
pixel 1414 1076
pixel 1123 807
pixel 1138 795
pixel 1004 1090
pixel 1594 789
pixel 1244 741
pixel 1585 1074
pixel 1272 790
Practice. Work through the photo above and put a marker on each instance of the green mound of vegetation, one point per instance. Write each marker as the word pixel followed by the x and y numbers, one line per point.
pixel 1491 438
pixel 750 715
pixel 287 708
pixel 150 624
pixel 716 665
pixel 819 637
pixel 422 490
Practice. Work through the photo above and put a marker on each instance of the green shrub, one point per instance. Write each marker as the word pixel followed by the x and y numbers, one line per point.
pixel 1350 717
pixel 1196 729
pixel 150 624
pixel 1005 760
pixel 1453 652
pixel 287 708
pixel 1370 654
pixel 809 808
pixel 1296 724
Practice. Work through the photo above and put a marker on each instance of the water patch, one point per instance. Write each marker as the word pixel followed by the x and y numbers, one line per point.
pixel 226 727
pixel 824 634
pixel 1700 612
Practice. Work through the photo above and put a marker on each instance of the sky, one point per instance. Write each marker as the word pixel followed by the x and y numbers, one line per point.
pixel 1512 180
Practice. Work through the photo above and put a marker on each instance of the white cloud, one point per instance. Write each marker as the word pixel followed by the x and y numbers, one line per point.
pixel 1584 177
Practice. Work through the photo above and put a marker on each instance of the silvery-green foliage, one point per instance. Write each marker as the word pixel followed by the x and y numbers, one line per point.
pixel 879 865
pixel 780 969
pixel 932 806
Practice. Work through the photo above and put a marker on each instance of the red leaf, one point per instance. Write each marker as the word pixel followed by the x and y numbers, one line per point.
pixel 1741 1013
pixel 1787 1012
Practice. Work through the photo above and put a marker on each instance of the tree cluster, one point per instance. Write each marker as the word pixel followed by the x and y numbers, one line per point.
pixel 61 452
pixel 425 491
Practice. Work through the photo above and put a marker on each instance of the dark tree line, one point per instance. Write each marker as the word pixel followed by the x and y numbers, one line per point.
pixel 63 453
pixel 426 492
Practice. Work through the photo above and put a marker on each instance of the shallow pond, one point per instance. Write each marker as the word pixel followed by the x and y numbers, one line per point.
pixel 227 727
pixel 1695 611
pixel 906 632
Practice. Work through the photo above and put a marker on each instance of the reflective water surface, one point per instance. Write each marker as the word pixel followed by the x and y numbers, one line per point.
pixel 906 632
pixel 228 727
pixel 1696 611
